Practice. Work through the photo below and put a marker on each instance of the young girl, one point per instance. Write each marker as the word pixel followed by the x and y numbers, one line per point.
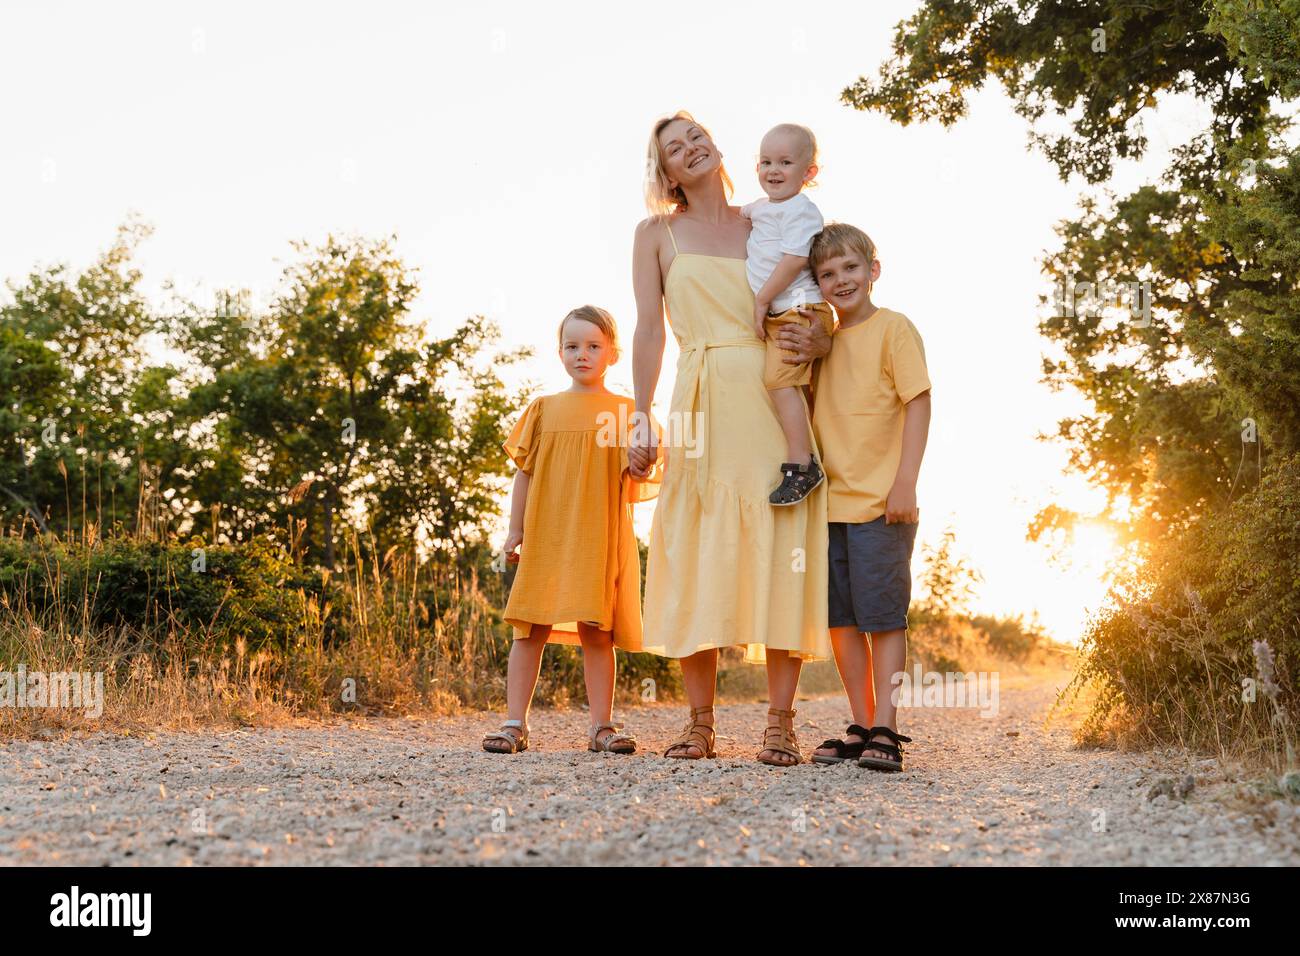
pixel 776 262
pixel 579 577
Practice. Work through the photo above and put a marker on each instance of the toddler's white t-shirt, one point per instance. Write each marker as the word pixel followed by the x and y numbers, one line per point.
pixel 782 228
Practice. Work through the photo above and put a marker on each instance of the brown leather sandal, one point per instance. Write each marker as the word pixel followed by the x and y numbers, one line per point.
pixel 512 738
pixel 613 742
pixel 780 739
pixel 695 734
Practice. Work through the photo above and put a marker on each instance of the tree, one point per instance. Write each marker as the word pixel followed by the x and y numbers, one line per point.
pixel 438 478
pixel 73 352
pixel 31 387
pixel 331 410
pixel 328 412
pixel 1170 395
pixel 949 581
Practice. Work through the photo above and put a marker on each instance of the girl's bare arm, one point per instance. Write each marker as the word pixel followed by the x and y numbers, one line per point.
pixel 518 503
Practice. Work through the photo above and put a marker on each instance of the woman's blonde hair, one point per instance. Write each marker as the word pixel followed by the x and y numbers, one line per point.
pixel 838 239
pixel 600 319
pixel 661 198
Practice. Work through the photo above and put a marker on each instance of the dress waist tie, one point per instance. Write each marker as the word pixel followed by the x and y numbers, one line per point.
pixel 692 363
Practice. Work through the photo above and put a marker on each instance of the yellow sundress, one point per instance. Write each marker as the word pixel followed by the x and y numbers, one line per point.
pixel 725 567
pixel 579 560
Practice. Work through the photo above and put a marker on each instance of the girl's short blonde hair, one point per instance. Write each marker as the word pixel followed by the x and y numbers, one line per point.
pixel 839 239
pixel 661 198
pixel 600 319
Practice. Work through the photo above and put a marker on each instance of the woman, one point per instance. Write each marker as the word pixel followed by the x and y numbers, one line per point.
pixel 725 567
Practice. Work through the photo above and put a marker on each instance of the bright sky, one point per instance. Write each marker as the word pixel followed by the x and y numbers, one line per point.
pixel 504 146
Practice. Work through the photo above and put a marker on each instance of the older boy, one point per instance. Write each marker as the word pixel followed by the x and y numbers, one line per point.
pixel 871 418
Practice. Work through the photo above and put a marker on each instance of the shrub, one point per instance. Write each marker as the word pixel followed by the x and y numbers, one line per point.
pixel 1009 637
pixel 252 591
pixel 1180 651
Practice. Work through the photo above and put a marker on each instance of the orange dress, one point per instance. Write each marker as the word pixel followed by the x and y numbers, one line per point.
pixel 579 560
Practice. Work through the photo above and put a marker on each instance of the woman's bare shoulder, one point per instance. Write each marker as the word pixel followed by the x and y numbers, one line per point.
pixel 651 231
pixel 655 223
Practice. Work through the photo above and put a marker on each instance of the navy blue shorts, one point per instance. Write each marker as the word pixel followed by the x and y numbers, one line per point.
pixel 870 575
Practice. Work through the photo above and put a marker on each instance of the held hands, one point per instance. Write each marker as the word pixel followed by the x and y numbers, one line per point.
pixel 513 540
pixel 900 506
pixel 642 451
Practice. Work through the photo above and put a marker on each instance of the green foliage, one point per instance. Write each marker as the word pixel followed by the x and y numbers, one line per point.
pixel 948 582
pixel 1215 240
pixel 334 405
pixel 31 386
pixel 1194 417
pixel 1178 640
pixel 71 354
pixel 1264 36
pixel 251 592
pixel 1010 638
pixel 1048 55
pixel 330 412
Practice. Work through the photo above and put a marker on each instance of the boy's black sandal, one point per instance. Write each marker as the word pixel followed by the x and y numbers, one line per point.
pixel 844 751
pixel 892 762
pixel 798 482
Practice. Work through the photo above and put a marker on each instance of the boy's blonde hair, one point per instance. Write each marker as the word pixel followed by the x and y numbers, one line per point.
pixel 661 198
pixel 839 239
pixel 600 319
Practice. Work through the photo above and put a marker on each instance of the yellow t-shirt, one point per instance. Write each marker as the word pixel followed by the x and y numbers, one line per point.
pixel 872 371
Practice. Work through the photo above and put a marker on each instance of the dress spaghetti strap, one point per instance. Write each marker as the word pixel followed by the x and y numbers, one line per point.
pixel 671 236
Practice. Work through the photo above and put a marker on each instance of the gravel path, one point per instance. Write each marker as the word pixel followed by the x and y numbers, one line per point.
pixel 1005 790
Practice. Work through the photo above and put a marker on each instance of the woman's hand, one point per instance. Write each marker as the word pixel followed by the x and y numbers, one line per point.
pixel 807 342
pixel 513 540
pixel 642 448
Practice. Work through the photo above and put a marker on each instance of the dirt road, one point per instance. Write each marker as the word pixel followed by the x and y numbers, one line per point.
pixel 1001 790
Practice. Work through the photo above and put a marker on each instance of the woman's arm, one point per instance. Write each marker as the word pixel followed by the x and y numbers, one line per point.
pixel 647 341
pixel 518 503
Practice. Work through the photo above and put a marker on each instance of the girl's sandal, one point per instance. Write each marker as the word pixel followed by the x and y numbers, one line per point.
pixel 504 742
pixel 797 482
pixel 844 751
pixel 892 762
pixel 780 739
pixel 614 742
pixel 695 735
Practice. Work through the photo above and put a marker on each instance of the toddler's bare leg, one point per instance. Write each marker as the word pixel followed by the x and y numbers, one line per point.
pixel 794 423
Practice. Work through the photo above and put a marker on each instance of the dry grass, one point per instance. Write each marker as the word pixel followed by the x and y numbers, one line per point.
pixel 392 653
pixel 400 637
